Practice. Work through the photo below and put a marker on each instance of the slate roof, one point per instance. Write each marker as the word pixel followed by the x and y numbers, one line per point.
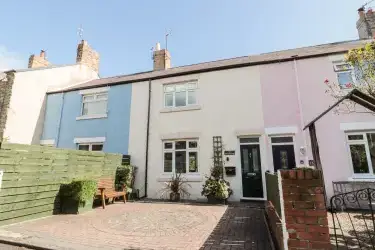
pixel 265 58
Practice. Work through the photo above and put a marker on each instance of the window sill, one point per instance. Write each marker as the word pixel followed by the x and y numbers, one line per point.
pixel 369 178
pixel 191 177
pixel 87 117
pixel 179 109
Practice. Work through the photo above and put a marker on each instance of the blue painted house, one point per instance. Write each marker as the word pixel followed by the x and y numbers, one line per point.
pixel 94 119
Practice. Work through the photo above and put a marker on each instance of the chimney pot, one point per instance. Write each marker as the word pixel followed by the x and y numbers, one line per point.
pixel 38 61
pixel 157 47
pixel 43 54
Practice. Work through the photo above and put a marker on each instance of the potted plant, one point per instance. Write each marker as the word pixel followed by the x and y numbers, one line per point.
pixel 124 177
pixel 77 196
pixel 216 189
pixel 176 187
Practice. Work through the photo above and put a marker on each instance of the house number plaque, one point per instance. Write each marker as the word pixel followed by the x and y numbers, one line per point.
pixel 229 152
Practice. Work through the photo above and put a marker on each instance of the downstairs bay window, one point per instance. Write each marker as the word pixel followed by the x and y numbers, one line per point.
pixel 180 156
pixel 362 153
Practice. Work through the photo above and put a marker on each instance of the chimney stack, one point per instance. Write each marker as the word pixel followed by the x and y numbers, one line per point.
pixel 87 56
pixel 366 23
pixel 40 61
pixel 162 58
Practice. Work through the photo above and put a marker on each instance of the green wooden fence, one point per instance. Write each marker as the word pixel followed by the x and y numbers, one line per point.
pixel 33 174
pixel 273 193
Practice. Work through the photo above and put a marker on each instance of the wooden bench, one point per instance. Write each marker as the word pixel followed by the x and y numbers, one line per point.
pixel 106 190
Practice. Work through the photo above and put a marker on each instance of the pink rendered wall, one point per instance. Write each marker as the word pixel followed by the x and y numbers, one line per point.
pixel 280 102
pixel 280 108
pixel 332 143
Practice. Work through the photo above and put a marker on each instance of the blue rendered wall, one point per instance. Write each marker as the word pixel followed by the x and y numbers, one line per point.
pixel 115 128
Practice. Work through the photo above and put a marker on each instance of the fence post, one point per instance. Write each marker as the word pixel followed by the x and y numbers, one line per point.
pixel 305 212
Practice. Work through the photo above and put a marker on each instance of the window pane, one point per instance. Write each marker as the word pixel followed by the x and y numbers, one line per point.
pixel 191 97
pixel 97 147
pixel 169 88
pixel 84 147
pixel 371 145
pixel 180 145
pixel 88 97
pixel 180 161
pixel 281 139
pixel 355 137
pixel 359 159
pixel 180 87
pixel 85 109
pixel 168 162
pixel 249 140
pixel 180 99
pixel 102 96
pixel 168 145
pixel 343 66
pixel 193 144
pixel 94 108
pixel 168 100
pixel 193 161
pixel 345 78
pixel 192 85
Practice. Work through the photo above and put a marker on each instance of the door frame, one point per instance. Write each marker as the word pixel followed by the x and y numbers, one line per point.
pixel 262 162
pixel 296 153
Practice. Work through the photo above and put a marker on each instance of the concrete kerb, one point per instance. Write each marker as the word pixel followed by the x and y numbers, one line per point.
pixel 26 245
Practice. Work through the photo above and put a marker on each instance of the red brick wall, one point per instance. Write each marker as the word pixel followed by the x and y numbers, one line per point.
pixel 305 210
pixel 275 224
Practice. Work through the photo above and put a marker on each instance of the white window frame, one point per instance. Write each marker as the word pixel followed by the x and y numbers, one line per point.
pixel 96 99
pixel 348 69
pixel 90 145
pixel 187 90
pixel 364 141
pixel 187 150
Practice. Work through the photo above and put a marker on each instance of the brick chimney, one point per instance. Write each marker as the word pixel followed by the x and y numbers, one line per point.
pixel 366 23
pixel 40 61
pixel 86 55
pixel 162 58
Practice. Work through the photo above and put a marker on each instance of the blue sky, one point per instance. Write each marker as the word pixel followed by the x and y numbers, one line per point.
pixel 123 31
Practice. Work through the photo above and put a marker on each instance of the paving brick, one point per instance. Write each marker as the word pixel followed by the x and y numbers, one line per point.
pixel 142 225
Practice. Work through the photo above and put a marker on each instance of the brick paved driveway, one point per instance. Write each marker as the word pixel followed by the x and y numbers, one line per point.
pixel 148 226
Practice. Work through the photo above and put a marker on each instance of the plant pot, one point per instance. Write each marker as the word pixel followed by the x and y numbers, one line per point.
pixel 71 206
pixel 213 200
pixel 174 196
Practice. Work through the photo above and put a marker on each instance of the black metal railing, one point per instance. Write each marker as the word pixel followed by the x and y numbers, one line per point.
pixel 273 193
pixel 352 219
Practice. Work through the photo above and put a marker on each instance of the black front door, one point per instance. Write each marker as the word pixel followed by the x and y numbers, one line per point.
pixel 283 157
pixel 251 171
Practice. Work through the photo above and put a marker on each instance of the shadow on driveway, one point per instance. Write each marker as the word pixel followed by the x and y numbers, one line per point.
pixel 241 227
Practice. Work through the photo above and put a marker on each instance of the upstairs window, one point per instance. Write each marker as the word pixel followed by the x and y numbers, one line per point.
pixel 345 75
pixel 94 104
pixel 180 95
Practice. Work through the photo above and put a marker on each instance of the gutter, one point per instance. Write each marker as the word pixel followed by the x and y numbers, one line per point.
pixel 204 70
pixel 147 136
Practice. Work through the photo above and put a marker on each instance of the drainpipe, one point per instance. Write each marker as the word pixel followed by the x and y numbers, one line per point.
pixel 60 118
pixel 147 136
pixel 305 158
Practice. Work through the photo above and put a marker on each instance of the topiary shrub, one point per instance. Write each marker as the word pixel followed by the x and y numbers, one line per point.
pixel 124 175
pixel 77 196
